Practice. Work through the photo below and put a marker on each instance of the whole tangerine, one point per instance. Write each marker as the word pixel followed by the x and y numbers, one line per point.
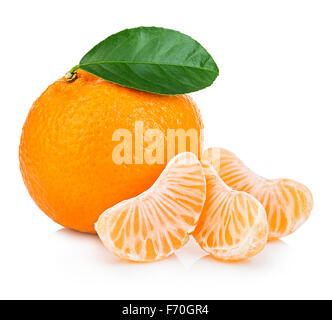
pixel 67 146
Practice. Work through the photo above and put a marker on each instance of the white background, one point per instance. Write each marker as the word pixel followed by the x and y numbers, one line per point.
pixel 271 105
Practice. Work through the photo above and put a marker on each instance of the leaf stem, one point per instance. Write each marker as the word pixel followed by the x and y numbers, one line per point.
pixel 72 70
pixel 71 75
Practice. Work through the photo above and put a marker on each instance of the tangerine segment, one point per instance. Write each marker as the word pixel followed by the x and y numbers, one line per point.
pixel 233 224
pixel 157 222
pixel 287 203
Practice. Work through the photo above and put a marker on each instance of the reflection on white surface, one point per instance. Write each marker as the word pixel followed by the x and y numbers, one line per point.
pixel 190 253
pixel 65 264
pixel 268 258
pixel 83 245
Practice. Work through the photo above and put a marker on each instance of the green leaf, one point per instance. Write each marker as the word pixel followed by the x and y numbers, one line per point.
pixel 152 59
